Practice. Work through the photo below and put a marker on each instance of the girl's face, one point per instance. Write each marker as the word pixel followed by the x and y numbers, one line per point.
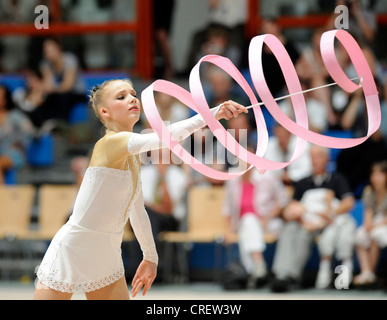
pixel 121 108
pixel 378 178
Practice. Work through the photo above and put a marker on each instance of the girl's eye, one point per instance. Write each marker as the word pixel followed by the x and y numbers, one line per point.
pixel 120 97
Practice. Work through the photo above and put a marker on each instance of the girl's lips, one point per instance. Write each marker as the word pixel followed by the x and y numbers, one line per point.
pixel 134 108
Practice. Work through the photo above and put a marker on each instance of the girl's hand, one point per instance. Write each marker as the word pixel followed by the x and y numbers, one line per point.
pixel 230 109
pixel 144 277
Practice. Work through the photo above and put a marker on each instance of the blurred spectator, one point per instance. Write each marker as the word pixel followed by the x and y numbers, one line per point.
pixel 317 110
pixel 60 70
pixel 306 216
pixel 253 206
pixel 217 42
pixel 198 179
pixel 271 69
pixel 280 148
pixel 164 196
pixel 79 165
pixel 372 235
pixel 16 132
pixel 32 98
pixel 383 106
pixel 241 130
pixel 230 15
pixel 171 110
pixel 53 90
pixel 220 87
pixel 224 33
pixel 204 147
pixel 362 20
pixel 355 163
pixel 338 238
pixel 311 69
pixel 163 14
pixel 369 55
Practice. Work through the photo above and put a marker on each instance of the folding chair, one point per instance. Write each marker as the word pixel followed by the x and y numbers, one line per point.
pixel 205 224
pixel 55 206
pixel 15 215
pixel 16 203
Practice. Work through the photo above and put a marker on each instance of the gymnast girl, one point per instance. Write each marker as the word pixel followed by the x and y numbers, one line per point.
pixel 85 254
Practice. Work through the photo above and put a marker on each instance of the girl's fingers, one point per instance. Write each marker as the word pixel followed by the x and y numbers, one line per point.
pixel 228 113
pixel 138 284
pixel 235 108
pixel 134 280
pixel 240 107
pixel 147 287
pixel 137 288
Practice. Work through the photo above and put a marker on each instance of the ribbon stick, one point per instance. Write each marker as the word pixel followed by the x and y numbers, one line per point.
pixel 305 91
pixel 196 100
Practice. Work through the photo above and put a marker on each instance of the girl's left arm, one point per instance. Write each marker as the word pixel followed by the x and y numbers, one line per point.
pixel 141 226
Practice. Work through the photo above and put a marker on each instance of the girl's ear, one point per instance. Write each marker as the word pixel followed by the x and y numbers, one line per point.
pixel 104 112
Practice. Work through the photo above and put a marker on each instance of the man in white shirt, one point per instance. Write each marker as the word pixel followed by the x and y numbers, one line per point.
pixel 280 148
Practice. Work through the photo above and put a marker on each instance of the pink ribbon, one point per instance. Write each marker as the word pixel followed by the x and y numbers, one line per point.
pixel 196 100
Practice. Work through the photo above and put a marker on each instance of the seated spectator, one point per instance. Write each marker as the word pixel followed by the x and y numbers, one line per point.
pixel 306 219
pixel 317 111
pixel 280 148
pixel 374 149
pixel 253 205
pixel 217 42
pixel 372 235
pixel 311 69
pixel 224 30
pixel 221 88
pixel 271 69
pixel 58 89
pixel 16 132
pixel 30 98
pixel 337 238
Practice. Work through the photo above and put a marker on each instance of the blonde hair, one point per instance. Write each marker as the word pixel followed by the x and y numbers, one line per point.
pixel 96 96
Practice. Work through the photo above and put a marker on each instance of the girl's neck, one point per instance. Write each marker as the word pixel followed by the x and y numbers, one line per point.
pixel 117 128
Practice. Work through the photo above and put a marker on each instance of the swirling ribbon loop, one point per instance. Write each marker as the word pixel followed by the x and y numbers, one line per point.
pixel 196 100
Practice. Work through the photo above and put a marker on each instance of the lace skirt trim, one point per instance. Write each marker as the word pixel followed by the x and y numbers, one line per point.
pixel 63 286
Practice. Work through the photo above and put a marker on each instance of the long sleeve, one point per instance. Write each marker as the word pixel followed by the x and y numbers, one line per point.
pixel 139 143
pixel 141 226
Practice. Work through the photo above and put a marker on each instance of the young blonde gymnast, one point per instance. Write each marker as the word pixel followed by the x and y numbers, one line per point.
pixel 85 254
